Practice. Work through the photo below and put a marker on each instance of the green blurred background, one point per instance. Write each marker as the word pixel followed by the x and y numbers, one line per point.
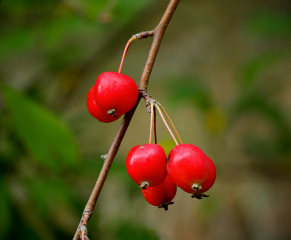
pixel 223 73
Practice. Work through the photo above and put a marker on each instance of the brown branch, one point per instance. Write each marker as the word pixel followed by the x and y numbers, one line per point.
pixel 159 32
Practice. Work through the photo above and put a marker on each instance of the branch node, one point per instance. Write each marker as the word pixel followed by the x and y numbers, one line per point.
pixel 147 99
pixel 144 34
pixel 104 156
pixel 137 36
pixel 83 232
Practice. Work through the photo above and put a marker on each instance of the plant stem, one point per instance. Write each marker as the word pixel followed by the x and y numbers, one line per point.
pixel 165 122
pixel 135 37
pixel 159 32
pixel 152 119
pixel 125 51
pixel 155 126
pixel 163 109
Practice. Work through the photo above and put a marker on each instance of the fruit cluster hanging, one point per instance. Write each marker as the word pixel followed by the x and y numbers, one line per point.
pixel 187 167
pixel 158 176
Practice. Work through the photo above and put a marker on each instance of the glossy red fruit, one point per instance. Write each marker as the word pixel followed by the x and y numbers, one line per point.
pixel 188 167
pixel 147 165
pixel 115 93
pixel 161 195
pixel 95 111
pixel 208 183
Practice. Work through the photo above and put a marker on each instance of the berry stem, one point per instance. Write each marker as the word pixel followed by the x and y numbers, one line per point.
pixel 155 125
pixel 163 109
pixel 152 119
pixel 170 131
pixel 133 38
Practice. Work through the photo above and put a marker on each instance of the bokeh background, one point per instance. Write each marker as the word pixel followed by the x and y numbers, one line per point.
pixel 223 73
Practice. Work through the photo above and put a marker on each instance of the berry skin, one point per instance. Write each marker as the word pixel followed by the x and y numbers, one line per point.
pixel 161 195
pixel 115 93
pixel 147 165
pixel 188 167
pixel 95 111
pixel 208 183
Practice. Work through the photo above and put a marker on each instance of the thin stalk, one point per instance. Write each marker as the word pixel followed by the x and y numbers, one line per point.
pixel 152 119
pixel 163 109
pixel 135 37
pixel 125 51
pixel 170 131
pixel 155 126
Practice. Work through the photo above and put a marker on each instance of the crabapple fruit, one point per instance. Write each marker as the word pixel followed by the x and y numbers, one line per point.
pixel 161 195
pixel 188 167
pixel 208 183
pixel 96 112
pixel 147 165
pixel 115 93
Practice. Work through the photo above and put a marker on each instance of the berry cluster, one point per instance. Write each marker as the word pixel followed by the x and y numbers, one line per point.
pixel 187 166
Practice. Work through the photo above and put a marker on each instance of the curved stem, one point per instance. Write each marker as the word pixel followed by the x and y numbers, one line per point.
pixel 135 37
pixel 165 122
pixel 125 51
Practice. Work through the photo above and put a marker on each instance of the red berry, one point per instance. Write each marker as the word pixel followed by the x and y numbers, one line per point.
pixel 115 93
pixel 95 111
pixel 188 167
pixel 147 165
pixel 161 195
pixel 208 183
